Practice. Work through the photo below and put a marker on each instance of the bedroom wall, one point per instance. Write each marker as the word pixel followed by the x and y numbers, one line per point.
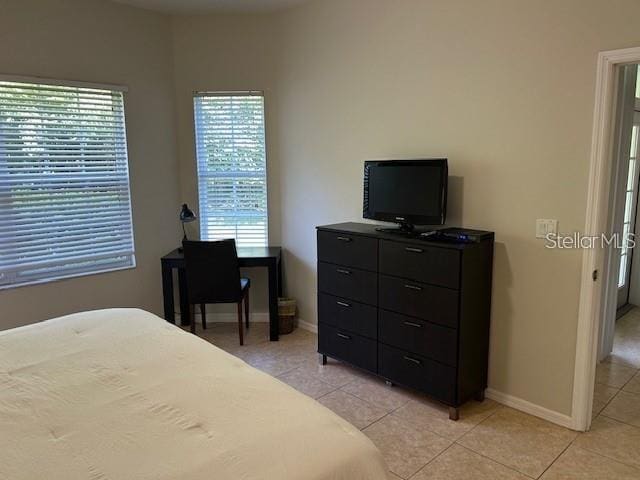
pixel 97 41
pixel 503 88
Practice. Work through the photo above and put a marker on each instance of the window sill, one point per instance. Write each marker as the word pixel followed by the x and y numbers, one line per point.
pixel 67 277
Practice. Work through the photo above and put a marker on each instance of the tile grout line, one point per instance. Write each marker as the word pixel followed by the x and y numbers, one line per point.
pixel 607 457
pixel 607 403
pixel 556 459
pixel 328 393
pixel 483 455
pixel 374 422
pixel 413 428
pixel 455 442
pixel 511 468
pixel 500 463
pixel 384 416
pixel 334 388
pixel 632 377
pixel 430 461
pixel 605 406
pixel 478 424
pixel 619 421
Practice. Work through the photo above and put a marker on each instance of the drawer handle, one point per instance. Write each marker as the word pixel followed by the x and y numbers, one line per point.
pixel 414 250
pixel 412 360
pixel 344 239
pixel 412 287
pixel 342 335
pixel 343 304
pixel 412 324
pixel 343 271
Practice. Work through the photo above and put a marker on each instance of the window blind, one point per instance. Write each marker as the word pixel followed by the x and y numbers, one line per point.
pixel 232 175
pixel 64 183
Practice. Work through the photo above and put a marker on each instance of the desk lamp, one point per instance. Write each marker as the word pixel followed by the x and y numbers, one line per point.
pixel 186 216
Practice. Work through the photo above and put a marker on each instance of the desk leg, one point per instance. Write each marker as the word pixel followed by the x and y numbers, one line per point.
pixel 273 302
pixel 185 314
pixel 167 294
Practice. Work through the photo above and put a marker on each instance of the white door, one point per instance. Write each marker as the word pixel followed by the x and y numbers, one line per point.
pixel 629 219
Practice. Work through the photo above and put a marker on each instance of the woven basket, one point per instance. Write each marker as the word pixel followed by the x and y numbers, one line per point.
pixel 286 315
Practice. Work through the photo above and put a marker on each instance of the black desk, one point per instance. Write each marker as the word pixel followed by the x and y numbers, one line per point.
pixel 249 257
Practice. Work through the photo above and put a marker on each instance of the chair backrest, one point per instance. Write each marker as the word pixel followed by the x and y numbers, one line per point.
pixel 212 271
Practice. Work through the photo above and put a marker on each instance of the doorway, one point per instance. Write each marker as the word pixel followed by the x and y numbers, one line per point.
pixel 617 382
pixel 607 281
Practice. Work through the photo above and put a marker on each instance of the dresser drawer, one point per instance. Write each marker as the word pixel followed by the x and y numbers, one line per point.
pixel 347 282
pixel 347 346
pixel 418 336
pixel 418 372
pixel 346 249
pixel 348 315
pixel 438 266
pixel 435 304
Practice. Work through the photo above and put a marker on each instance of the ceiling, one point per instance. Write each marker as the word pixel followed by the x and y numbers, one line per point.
pixel 208 6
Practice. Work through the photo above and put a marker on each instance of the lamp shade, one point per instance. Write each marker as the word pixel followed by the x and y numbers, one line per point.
pixel 186 214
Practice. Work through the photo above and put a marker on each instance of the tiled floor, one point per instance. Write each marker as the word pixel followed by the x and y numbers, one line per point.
pixel 617 391
pixel 490 441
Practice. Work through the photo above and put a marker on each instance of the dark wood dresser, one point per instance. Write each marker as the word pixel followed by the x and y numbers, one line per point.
pixel 415 312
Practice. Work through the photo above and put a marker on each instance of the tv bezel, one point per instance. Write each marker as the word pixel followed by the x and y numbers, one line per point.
pixel 399 217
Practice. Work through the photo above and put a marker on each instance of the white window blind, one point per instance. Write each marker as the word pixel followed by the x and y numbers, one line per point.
pixel 64 183
pixel 232 173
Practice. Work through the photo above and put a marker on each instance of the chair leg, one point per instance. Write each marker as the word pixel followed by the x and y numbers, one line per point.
pixel 246 309
pixel 192 318
pixel 203 314
pixel 240 326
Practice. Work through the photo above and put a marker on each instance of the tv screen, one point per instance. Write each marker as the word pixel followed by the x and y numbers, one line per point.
pixel 409 192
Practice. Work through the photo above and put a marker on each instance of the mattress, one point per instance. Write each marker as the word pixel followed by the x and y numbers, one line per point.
pixel 121 394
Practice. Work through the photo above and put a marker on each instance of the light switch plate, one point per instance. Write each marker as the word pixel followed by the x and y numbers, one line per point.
pixel 545 226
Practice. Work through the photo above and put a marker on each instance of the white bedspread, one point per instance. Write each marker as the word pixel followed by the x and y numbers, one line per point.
pixel 121 394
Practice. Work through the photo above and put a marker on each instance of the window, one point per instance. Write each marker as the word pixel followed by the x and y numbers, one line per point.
pixel 232 171
pixel 629 210
pixel 64 182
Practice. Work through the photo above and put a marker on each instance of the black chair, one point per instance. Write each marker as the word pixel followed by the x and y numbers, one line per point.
pixel 213 276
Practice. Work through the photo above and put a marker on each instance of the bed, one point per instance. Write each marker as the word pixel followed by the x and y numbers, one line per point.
pixel 121 394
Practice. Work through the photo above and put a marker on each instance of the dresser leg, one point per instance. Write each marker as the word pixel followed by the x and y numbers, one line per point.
pixel 389 383
pixel 322 359
pixel 454 414
pixel 479 396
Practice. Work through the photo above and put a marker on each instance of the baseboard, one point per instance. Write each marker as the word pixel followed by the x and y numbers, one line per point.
pixel 257 317
pixel 308 326
pixel 530 408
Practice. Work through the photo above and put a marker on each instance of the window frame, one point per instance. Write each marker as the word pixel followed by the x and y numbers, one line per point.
pixel 232 93
pixel 123 90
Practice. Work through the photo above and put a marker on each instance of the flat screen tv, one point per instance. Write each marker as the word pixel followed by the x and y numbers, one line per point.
pixel 407 192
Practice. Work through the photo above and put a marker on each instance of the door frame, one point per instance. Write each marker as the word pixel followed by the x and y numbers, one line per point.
pixel 601 170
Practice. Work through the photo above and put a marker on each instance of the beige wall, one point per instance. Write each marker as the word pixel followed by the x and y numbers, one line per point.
pixel 98 41
pixel 503 88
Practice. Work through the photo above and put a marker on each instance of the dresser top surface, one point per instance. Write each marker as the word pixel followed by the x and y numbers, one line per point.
pixel 369 230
